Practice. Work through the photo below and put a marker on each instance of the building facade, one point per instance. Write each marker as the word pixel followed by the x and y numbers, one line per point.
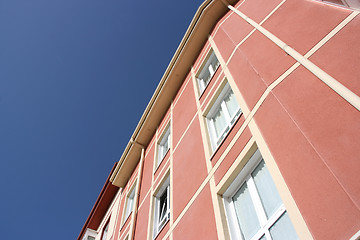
pixel 252 132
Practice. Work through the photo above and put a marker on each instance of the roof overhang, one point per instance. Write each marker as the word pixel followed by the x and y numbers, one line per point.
pixel 194 39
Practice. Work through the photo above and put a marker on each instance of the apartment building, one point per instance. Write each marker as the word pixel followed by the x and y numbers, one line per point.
pixel 252 133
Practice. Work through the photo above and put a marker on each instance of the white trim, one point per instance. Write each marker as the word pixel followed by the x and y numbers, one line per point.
pixel 356 236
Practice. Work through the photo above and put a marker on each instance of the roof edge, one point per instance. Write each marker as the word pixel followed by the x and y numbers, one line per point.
pixel 218 9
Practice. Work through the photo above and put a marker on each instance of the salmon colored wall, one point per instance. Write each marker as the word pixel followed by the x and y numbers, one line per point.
pixel 232 155
pixel 147 172
pixel 340 56
pixel 184 111
pixel 302 24
pixel 250 83
pixel 325 206
pixel 142 220
pixel 162 170
pixel 234 26
pixel 199 221
pixel 224 43
pixel 257 10
pixel 189 167
pixel 201 57
pixel 329 123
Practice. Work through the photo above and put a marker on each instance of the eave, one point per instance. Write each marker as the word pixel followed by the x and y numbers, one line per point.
pixel 194 39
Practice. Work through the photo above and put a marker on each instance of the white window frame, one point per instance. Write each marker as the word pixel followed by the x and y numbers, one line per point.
pixel 129 205
pixel 161 212
pixel 354 4
pixel 207 71
pixel 89 234
pixel 163 146
pixel 105 230
pixel 242 177
pixel 230 120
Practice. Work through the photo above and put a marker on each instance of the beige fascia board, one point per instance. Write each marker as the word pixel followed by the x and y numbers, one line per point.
pixel 189 48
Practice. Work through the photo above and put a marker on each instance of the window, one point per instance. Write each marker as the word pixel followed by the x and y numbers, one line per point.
pixel 207 71
pixel 347 3
pixel 162 207
pixel 163 146
pixel 222 116
pixel 129 204
pixel 105 231
pixel 253 206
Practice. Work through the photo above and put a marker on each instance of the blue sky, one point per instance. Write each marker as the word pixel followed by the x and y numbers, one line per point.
pixel 75 78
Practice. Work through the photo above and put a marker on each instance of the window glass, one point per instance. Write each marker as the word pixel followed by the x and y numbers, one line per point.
pixel 245 212
pixel 231 104
pixel 255 210
pixel 163 146
pixel 283 229
pixel 207 71
pixel 105 232
pixel 219 122
pixel 129 204
pixel 266 188
pixel 162 207
pixel 222 116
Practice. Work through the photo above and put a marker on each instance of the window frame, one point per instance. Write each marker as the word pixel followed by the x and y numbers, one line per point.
pixel 159 224
pixel 218 105
pixel 353 4
pixel 207 70
pixel 105 230
pixel 245 176
pixel 161 149
pixel 129 209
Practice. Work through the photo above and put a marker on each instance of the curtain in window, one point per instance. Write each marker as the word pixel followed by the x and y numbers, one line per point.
pixel 231 104
pixel 245 212
pixel 219 122
pixel 266 188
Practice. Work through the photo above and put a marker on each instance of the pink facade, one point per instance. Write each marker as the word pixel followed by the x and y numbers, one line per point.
pixel 191 155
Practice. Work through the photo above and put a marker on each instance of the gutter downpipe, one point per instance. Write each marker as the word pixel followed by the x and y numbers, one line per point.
pixel 340 89
pixel 137 193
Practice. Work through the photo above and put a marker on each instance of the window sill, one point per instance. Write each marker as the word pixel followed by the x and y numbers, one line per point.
pixel 158 233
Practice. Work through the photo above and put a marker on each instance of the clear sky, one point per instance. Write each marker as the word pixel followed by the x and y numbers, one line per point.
pixel 75 78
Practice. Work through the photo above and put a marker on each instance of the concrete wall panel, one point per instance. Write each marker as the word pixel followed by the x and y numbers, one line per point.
pixel 326 208
pixel 330 124
pixel 184 111
pixel 258 9
pixel 302 24
pixel 199 221
pixel 248 80
pixel 232 155
pixel 266 58
pixel 340 57
pixel 189 167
